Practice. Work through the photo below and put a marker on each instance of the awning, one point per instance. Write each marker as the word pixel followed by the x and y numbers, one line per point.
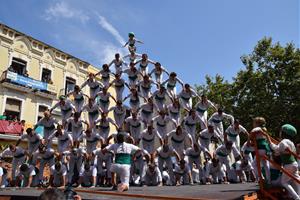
pixel 8 127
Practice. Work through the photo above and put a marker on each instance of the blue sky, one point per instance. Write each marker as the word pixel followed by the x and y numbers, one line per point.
pixel 191 37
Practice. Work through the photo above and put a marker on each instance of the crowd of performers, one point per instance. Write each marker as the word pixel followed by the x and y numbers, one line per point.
pixel 160 139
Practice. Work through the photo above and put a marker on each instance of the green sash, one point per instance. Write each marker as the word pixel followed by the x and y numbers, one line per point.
pixel 123 158
pixel 287 159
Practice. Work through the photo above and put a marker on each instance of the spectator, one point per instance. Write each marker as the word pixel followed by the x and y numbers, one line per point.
pixel 55 194
pixel 26 73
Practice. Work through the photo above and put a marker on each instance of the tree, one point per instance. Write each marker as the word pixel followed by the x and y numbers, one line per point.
pixel 269 86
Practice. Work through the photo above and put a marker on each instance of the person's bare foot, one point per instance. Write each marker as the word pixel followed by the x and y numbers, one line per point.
pixel 122 187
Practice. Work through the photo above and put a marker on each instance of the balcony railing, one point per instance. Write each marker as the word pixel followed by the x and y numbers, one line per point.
pixel 16 81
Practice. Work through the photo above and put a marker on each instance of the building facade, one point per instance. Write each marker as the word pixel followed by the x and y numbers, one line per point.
pixel 34 74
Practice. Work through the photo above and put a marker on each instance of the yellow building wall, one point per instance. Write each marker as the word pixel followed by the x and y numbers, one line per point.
pixel 38 55
pixel 35 70
pixel 4 59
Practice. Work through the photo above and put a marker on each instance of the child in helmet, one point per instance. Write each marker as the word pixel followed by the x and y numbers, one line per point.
pixel 131 42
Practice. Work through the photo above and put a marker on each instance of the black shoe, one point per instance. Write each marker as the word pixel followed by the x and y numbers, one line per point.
pixel 114 188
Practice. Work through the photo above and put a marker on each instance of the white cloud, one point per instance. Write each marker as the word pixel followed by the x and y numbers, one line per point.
pixel 63 10
pixel 96 50
pixel 111 29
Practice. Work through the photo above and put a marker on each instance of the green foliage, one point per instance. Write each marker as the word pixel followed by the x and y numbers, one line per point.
pixel 268 86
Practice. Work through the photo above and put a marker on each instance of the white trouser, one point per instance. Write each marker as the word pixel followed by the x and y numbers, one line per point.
pixel 104 132
pixel 72 163
pixel 198 164
pixel 184 177
pixel 62 146
pixel 93 117
pixel 135 132
pixel 289 184
pixel 162 130
pixel 219 128
pixel 152 180
pixel 179 147
pixel 145 92
pixel 93 92
pixel 66 115
pixel 158 77
pixel 139 164
pixel 224 160
pixel 43 163
pixel 100 169
pixel 91 146
pixel 172 90
pixel 175 117
pixel 16 162
pixel 265 164
pixel 218 176
pixel 119 119
pixel 192 131
pixel 47 133
pixel 160 104
pixel 76 133
pixel 104 105
pixel 169 165
pixel 78 105
pixel 149 146
pixel 187 104
pixel 119 93
pixel 105 82
pixel 146 118
pixel 32 147
pixel 203 118
pixel 235 140
pixel 123 171
pixel 134 105
pixel 204 143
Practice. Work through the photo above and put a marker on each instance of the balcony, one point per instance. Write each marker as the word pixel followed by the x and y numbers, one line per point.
pixel 21 83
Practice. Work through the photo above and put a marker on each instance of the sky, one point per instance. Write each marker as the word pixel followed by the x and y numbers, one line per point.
pixel 191 37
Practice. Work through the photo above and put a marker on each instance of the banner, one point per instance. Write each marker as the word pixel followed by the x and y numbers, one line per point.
pixel 8 127
pixel 23 80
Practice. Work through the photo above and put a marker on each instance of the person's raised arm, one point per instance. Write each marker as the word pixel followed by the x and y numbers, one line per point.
pixel 55 106
pixel 113 98
pixel 125 45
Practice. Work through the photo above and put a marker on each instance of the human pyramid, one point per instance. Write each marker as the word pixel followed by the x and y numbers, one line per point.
pixel 160 139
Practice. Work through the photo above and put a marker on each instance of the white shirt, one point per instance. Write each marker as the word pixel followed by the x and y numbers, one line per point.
pixel 160 121
pixel 190 121
pixel 232 132
pixel 29 172
pixel 216 118
pixel 134 123
pixel 91 83
pixel 87 174
pixel 224 151
pixel 66 107
pixel 183 171
pixel 147 137
pixel 91 108
pixel 124 147
pixel 171 151
pixel 18 153
pixel 204 106
pixel 32 139
pixel 60 173
pixel 47 122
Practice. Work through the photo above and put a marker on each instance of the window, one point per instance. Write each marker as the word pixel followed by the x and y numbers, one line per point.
pixel 70 84
pixel 13 109
pixel 46 76
pixel 18 66
pixel 42 109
